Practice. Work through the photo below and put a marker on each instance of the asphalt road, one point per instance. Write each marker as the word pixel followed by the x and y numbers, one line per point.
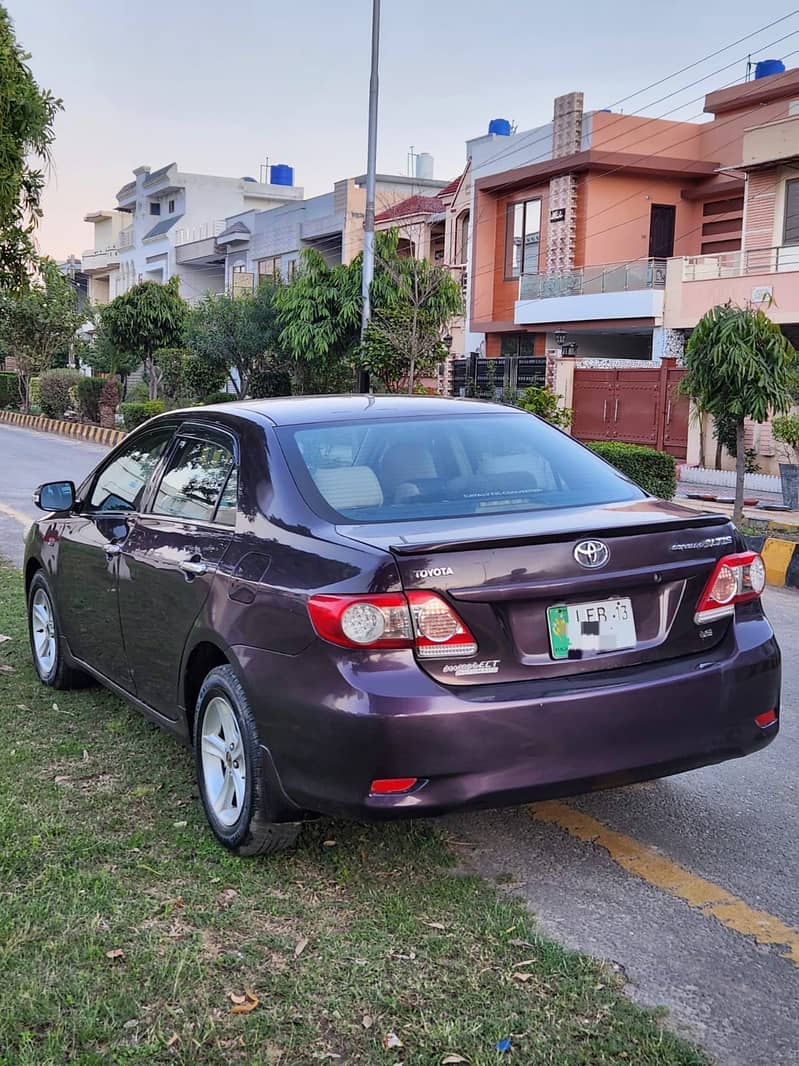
pixel 690 885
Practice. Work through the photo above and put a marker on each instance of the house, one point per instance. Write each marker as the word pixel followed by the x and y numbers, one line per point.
pixel 262 244
pixel 101 262
pixel 175 218
pixel 595 233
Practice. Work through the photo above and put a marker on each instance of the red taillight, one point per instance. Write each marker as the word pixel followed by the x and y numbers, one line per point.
pixel 766 719
pixel 421 620
pixel 735 579
pixel 388 786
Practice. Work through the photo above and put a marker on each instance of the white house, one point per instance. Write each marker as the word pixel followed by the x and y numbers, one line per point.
pixel 175 218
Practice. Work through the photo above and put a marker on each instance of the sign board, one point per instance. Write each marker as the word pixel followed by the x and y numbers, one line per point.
pixel 557 214
pixel 762 294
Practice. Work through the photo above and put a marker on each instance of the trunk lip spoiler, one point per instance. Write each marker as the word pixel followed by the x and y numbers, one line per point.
pixel 522 539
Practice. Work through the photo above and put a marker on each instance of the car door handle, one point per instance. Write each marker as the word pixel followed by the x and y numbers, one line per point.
pixel 112 550
pixel 193 566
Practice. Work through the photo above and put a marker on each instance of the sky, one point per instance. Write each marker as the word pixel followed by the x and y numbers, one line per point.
pixel 219 87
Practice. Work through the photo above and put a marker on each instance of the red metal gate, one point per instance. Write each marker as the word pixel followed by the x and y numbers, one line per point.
pixel 637 406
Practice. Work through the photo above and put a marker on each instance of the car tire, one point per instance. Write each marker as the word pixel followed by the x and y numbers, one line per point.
pixel 47 643
pixel 232 785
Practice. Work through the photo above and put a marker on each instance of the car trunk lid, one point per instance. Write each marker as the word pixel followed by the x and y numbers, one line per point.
pixel 536 612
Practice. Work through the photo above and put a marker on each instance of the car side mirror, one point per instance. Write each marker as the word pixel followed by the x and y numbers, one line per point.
pixel 55 496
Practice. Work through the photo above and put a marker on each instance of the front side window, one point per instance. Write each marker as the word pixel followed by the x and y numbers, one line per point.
pixel 522 238
pixel 447 467
pixel 120 485
pixel 791 228
pixel 195 482
pixel 155 208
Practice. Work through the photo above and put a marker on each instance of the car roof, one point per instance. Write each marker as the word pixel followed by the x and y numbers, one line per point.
pixel 300 410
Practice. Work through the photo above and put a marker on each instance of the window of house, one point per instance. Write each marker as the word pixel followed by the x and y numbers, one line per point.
pixel 462 239
pixel 171 207
pixel 522 238
pixel 155 208
pixel 198 482
pixel 292 269
pixel 791 225
pixel 517 344
pixel 269 268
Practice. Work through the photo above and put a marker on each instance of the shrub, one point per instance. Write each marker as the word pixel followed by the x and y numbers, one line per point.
pixel 35 391
pixel 200 378
pixel 133 414
pixel 139 393
pixel 269 382
pixel 9 389
pixel 109 393
pixel 88 395
pixel 785 429
pixel 654 471
pixel 55 386
pixel 219 397
pixel 542 401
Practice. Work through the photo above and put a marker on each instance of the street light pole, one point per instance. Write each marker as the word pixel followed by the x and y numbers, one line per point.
pixel 371 181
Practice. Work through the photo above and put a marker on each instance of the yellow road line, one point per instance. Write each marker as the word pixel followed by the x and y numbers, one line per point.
pixel 18 516
pixel 657 870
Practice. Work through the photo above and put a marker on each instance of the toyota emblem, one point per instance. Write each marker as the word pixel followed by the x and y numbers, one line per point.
pixel 591 554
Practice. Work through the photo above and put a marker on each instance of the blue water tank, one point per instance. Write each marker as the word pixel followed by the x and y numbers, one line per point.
pixel 282 174
pixel 766 67
pixel 500 126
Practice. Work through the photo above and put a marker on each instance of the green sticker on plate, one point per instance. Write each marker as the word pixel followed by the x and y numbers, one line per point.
pixel 558 620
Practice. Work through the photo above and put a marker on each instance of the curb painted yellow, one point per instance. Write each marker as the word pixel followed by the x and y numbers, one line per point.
pixel 777 555
pixel 18 516
pixel 97 434
pixel 705 897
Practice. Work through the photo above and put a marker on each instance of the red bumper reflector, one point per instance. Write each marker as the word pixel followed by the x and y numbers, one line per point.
pixel 766 719
pixel 387 786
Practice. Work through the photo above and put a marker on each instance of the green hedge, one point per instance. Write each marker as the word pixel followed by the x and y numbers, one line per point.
pixel 88 392
pixel 655 472
pixel 133 414
pixel 54 386
pixel 218 397
pixel 9 389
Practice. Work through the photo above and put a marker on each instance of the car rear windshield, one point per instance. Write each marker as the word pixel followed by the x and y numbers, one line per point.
pixel 445 467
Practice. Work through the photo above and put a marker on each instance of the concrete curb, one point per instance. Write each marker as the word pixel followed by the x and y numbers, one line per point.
pixel 69 429
pixel 781 558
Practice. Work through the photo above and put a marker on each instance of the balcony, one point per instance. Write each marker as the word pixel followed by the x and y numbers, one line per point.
pixel 767 278
pixel 204 231
pixel 739 264
pixel 606 291
pixel 125 238
pixel 97 259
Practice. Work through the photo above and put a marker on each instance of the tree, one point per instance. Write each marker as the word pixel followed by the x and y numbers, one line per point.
pixel 319 315
pixel 141 321
pixel 739 366
pixel 237 335
pixel 38 322
pixel 27 114
pixel 413 301
pixel 102 355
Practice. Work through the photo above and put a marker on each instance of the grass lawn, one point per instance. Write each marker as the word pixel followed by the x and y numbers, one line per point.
pixel 125 929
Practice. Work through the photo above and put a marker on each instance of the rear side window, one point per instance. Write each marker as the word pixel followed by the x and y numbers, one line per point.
pixel 446 467
pixel 197 481
pixel 121 484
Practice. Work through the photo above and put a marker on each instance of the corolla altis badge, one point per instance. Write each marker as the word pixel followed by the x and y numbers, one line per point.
pixel 436 571
pixel 711 542
pixel 591 554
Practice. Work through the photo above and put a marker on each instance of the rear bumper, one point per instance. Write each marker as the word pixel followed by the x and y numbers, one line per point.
pixel 341 723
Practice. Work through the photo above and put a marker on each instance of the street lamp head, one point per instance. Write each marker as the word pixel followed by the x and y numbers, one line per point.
pixel 560 337
pixel 447 340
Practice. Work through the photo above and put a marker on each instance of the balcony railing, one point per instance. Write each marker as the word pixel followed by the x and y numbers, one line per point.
pixel 739 264
pixel 189 234
pixel 125 237
pixel 97 258
pixel 590 280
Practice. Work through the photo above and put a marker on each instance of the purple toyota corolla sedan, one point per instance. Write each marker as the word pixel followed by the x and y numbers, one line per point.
pixel 384 607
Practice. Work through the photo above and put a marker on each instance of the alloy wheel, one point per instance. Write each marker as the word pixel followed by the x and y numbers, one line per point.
pixel 43 629
pixel 223 764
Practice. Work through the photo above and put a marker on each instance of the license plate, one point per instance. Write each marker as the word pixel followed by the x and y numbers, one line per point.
pixel 591 628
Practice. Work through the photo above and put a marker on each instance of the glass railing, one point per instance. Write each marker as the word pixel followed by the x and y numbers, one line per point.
pixel 609 277
pixel 739 264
